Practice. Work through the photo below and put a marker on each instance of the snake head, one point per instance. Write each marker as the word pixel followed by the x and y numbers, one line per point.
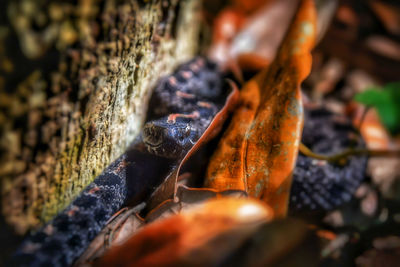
pixel 169 140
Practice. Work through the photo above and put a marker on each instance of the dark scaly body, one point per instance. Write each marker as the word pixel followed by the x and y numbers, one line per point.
pixel 174 130
pixel 199 81
pixel 319 185
pixel 60 241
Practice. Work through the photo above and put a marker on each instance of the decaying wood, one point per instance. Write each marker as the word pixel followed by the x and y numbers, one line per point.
pixel 74 80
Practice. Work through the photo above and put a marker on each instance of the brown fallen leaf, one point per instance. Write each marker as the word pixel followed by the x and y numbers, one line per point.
pixel 236 33
pixel 383 170
pixel 373 132
pixel 120 227
pixel 329 75
pixel 348 16
pixel 388 14
pixel 253 31
pixel 261 34
pixel 384 46
pixel 258 151
pixel 187 199
pixel 203 235
pixel 225 27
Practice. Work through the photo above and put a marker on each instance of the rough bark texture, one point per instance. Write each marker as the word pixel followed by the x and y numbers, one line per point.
pixel 74 82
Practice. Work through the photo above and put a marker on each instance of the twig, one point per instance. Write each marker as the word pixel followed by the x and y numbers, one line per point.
pixel 341 158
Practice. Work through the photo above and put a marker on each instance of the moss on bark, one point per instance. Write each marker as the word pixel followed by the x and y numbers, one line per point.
pixel 74 83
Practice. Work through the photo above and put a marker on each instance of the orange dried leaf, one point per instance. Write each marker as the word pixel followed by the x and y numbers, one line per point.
pixel 259 149
pixel 370 127
pixel 227 24
pixel 236 33
pixel 192 236
pixel 263 32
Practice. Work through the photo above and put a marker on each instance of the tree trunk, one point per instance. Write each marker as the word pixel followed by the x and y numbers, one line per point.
pixel 74 82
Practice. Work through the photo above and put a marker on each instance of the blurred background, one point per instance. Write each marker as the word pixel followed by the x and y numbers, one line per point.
pixel 55 54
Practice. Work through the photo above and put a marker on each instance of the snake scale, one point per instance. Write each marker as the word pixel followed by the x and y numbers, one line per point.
pixel 182 106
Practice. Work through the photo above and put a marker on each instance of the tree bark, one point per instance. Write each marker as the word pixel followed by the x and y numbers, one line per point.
pixel 75 78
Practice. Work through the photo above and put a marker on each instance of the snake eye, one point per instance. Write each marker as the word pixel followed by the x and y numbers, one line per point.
pixel 152 135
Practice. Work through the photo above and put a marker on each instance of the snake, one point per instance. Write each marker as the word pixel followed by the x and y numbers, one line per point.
pixel 182 106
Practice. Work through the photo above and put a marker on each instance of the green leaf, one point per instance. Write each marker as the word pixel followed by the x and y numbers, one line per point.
pixel 386 101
